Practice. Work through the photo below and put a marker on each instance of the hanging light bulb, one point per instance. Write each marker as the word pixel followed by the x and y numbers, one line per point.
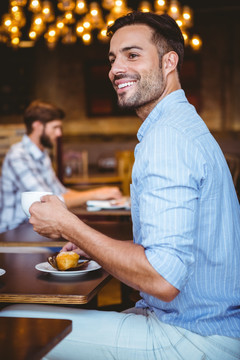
pixel 18 16
pixel 47 11
pixel 179 22
pixel 79 28
pixel 7 20
pixel 174 9
pixel 60 25
pixel 110 19
pixel 160 6
pixel 87 38
pixel 145 6
pixel 68 17
pixel 38 20
pixel 53 31
pixel 51 38
pixel 186 37
pixel 119 9
pixel 187 16
pixel 15 41
pixel 81 7
pixel 32 34
pixel 14 30
pixel 94 9
pixel 14 9
pixel 102 35
pixel 196 42
pixel 38 24
pixel 34 6
pixel 95 16
pixel 87 22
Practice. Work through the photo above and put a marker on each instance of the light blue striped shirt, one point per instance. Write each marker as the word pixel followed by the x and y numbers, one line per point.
pixel 186 215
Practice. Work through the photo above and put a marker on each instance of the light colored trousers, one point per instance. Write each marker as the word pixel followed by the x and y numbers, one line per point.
pixel 135 334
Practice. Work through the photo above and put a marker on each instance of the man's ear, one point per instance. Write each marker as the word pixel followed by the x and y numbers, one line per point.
pixel 37 126
pixel 169 62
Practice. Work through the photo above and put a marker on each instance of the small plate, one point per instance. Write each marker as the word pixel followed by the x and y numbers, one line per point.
pixel 2 272
pixel 46 267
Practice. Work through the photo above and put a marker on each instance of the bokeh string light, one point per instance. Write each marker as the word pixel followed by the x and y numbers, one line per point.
pixel 67 21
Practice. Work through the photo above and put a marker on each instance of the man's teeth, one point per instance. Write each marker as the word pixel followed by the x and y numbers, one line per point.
pixel 130 83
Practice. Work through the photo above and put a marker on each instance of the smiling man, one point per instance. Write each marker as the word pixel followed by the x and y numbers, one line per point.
pixel 185 253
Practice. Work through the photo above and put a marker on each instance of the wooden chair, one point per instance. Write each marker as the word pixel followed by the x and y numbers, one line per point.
pixel 125 160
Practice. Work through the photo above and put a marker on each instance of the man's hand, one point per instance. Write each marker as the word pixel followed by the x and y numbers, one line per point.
pixel 48 216
pixel 72 247
pixel 106 193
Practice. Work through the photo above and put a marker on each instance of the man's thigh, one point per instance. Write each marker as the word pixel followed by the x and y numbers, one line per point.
pixel 98 335
pixel 132 335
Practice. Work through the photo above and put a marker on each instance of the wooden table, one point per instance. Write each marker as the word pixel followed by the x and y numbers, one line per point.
pixel 22 283
pixel 111 215
pixel 30 338
pixel 24 235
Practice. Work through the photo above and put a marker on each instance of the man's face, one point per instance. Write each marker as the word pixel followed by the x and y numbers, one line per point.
pixel 136 72
pixel 51 131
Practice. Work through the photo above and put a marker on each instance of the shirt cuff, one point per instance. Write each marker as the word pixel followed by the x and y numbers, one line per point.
pixel 169 266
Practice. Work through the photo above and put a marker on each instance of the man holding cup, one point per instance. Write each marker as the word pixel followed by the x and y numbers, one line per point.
pixel 185 253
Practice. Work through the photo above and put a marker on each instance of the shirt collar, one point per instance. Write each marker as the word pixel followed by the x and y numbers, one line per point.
pixel 159 110
pixel 32 149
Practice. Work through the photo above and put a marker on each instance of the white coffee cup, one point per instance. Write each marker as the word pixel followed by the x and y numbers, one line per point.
pixel 29 197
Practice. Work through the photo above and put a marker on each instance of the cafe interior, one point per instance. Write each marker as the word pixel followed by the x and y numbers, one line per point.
pixel 56 51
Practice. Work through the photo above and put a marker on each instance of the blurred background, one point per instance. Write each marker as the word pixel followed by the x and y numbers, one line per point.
pixel 73 75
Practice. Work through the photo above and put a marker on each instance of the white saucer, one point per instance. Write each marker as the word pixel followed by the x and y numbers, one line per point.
pixel 46 267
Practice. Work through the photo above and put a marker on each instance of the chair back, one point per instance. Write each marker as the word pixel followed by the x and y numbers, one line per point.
pixel 125 160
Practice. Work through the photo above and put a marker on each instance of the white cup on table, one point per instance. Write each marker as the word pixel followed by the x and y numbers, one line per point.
pixel 29 197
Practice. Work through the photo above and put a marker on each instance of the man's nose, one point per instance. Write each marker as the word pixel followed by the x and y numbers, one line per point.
pixel 58 133
pixel 118 67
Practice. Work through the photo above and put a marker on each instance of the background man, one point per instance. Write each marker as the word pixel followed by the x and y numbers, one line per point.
pixel 27 167
pixel 186 250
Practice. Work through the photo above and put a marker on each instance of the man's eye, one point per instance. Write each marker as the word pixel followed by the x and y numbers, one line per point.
pixel 111 61
pixel 132 56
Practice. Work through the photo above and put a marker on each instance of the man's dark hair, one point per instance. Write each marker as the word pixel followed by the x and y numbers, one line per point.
pixel 166 33
pixel 41 111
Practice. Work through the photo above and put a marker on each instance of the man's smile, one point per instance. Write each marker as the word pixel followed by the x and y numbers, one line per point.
pixel 121 85
pixel 126 84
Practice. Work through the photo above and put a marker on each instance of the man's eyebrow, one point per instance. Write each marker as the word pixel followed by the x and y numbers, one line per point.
pixel 127 48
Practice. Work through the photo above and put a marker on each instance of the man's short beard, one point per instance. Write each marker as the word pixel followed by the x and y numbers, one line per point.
pixel 127 107
pixel 149 89
pixel 132 103
pixel 137 101
pixel 45 141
